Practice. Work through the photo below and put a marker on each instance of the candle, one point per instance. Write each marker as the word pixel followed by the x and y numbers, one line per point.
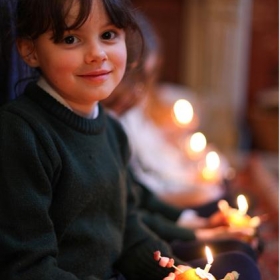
pixel 210 172
pixel 209 259
pixel 238 217
pixel 195 273
pixel 209 169
pixel 195 146
pixel 198 273
pixel 242 204
pixel 183 112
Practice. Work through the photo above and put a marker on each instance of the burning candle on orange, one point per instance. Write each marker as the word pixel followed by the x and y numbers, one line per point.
pixel 238 217
pixel 209 259
pixel 198 273
pixel 210 169
pixel 183 112
pixel 195 145
pixel 195 273
pixel 242 204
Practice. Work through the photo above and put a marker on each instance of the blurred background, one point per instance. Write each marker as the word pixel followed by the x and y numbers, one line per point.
pixel 226 52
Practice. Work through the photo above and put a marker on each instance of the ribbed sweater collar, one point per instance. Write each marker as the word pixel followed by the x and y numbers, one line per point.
pixel 52 106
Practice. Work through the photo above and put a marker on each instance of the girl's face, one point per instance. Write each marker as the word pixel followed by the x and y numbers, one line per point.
pixel 88 64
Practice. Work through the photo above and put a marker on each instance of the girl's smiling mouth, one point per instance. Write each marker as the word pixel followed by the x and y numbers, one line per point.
pixel 96 76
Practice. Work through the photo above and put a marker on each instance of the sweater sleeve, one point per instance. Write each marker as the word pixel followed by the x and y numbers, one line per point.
pixel 27 239
pixel 166 229
pixel 151 203
pixel 139 245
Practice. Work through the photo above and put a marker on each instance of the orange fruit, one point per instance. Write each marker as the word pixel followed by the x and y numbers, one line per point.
pixel 189 275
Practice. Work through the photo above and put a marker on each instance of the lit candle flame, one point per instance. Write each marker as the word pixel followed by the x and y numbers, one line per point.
pixel 212 160
pixel 198 142
pixel 242 204
pixel 209 259
pixel 209 255
pixel 183 111
pixel 210 171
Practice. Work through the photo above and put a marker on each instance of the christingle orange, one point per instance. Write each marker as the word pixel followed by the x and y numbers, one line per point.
pixel 195 274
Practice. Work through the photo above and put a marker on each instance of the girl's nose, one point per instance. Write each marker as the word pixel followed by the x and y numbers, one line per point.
pixel 95 54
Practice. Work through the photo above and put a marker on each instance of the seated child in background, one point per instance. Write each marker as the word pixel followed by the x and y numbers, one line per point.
pixel 169 222
pixel 159 159
pixel 156 161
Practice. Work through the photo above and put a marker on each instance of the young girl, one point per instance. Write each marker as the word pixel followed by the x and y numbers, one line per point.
pixel 66 207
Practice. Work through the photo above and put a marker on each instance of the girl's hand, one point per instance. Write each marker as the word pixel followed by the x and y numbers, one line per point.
pixel 169 262
pixel 163 261
pixel 217 219
pixel 171 276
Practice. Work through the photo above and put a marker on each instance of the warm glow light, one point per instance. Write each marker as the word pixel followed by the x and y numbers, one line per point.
pixel 211 168
pixel 212 160
pixel 242 204
pixel 183 111
pixel 255 222
pixel 209 255
pixel 198 142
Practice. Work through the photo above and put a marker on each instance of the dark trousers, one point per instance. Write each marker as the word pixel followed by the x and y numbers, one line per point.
pixel 192 250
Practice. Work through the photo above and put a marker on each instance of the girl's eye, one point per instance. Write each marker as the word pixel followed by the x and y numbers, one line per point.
pixel 70 40
pixel 108 35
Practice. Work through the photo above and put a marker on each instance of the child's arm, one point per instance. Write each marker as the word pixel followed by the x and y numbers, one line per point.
pixel 137 261
pixel 27 239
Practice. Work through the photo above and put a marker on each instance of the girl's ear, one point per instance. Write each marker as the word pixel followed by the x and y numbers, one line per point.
pixel 27 51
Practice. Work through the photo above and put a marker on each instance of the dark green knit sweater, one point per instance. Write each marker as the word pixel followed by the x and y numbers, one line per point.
pixel 159 216
pixel 66 206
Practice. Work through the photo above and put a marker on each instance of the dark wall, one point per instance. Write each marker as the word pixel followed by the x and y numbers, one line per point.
pixel 166 17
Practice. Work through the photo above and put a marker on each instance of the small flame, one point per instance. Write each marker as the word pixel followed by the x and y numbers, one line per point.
pixel 212 161
pixel 242 204
pixel 198 142
pixel 183 111
pixel 209 255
